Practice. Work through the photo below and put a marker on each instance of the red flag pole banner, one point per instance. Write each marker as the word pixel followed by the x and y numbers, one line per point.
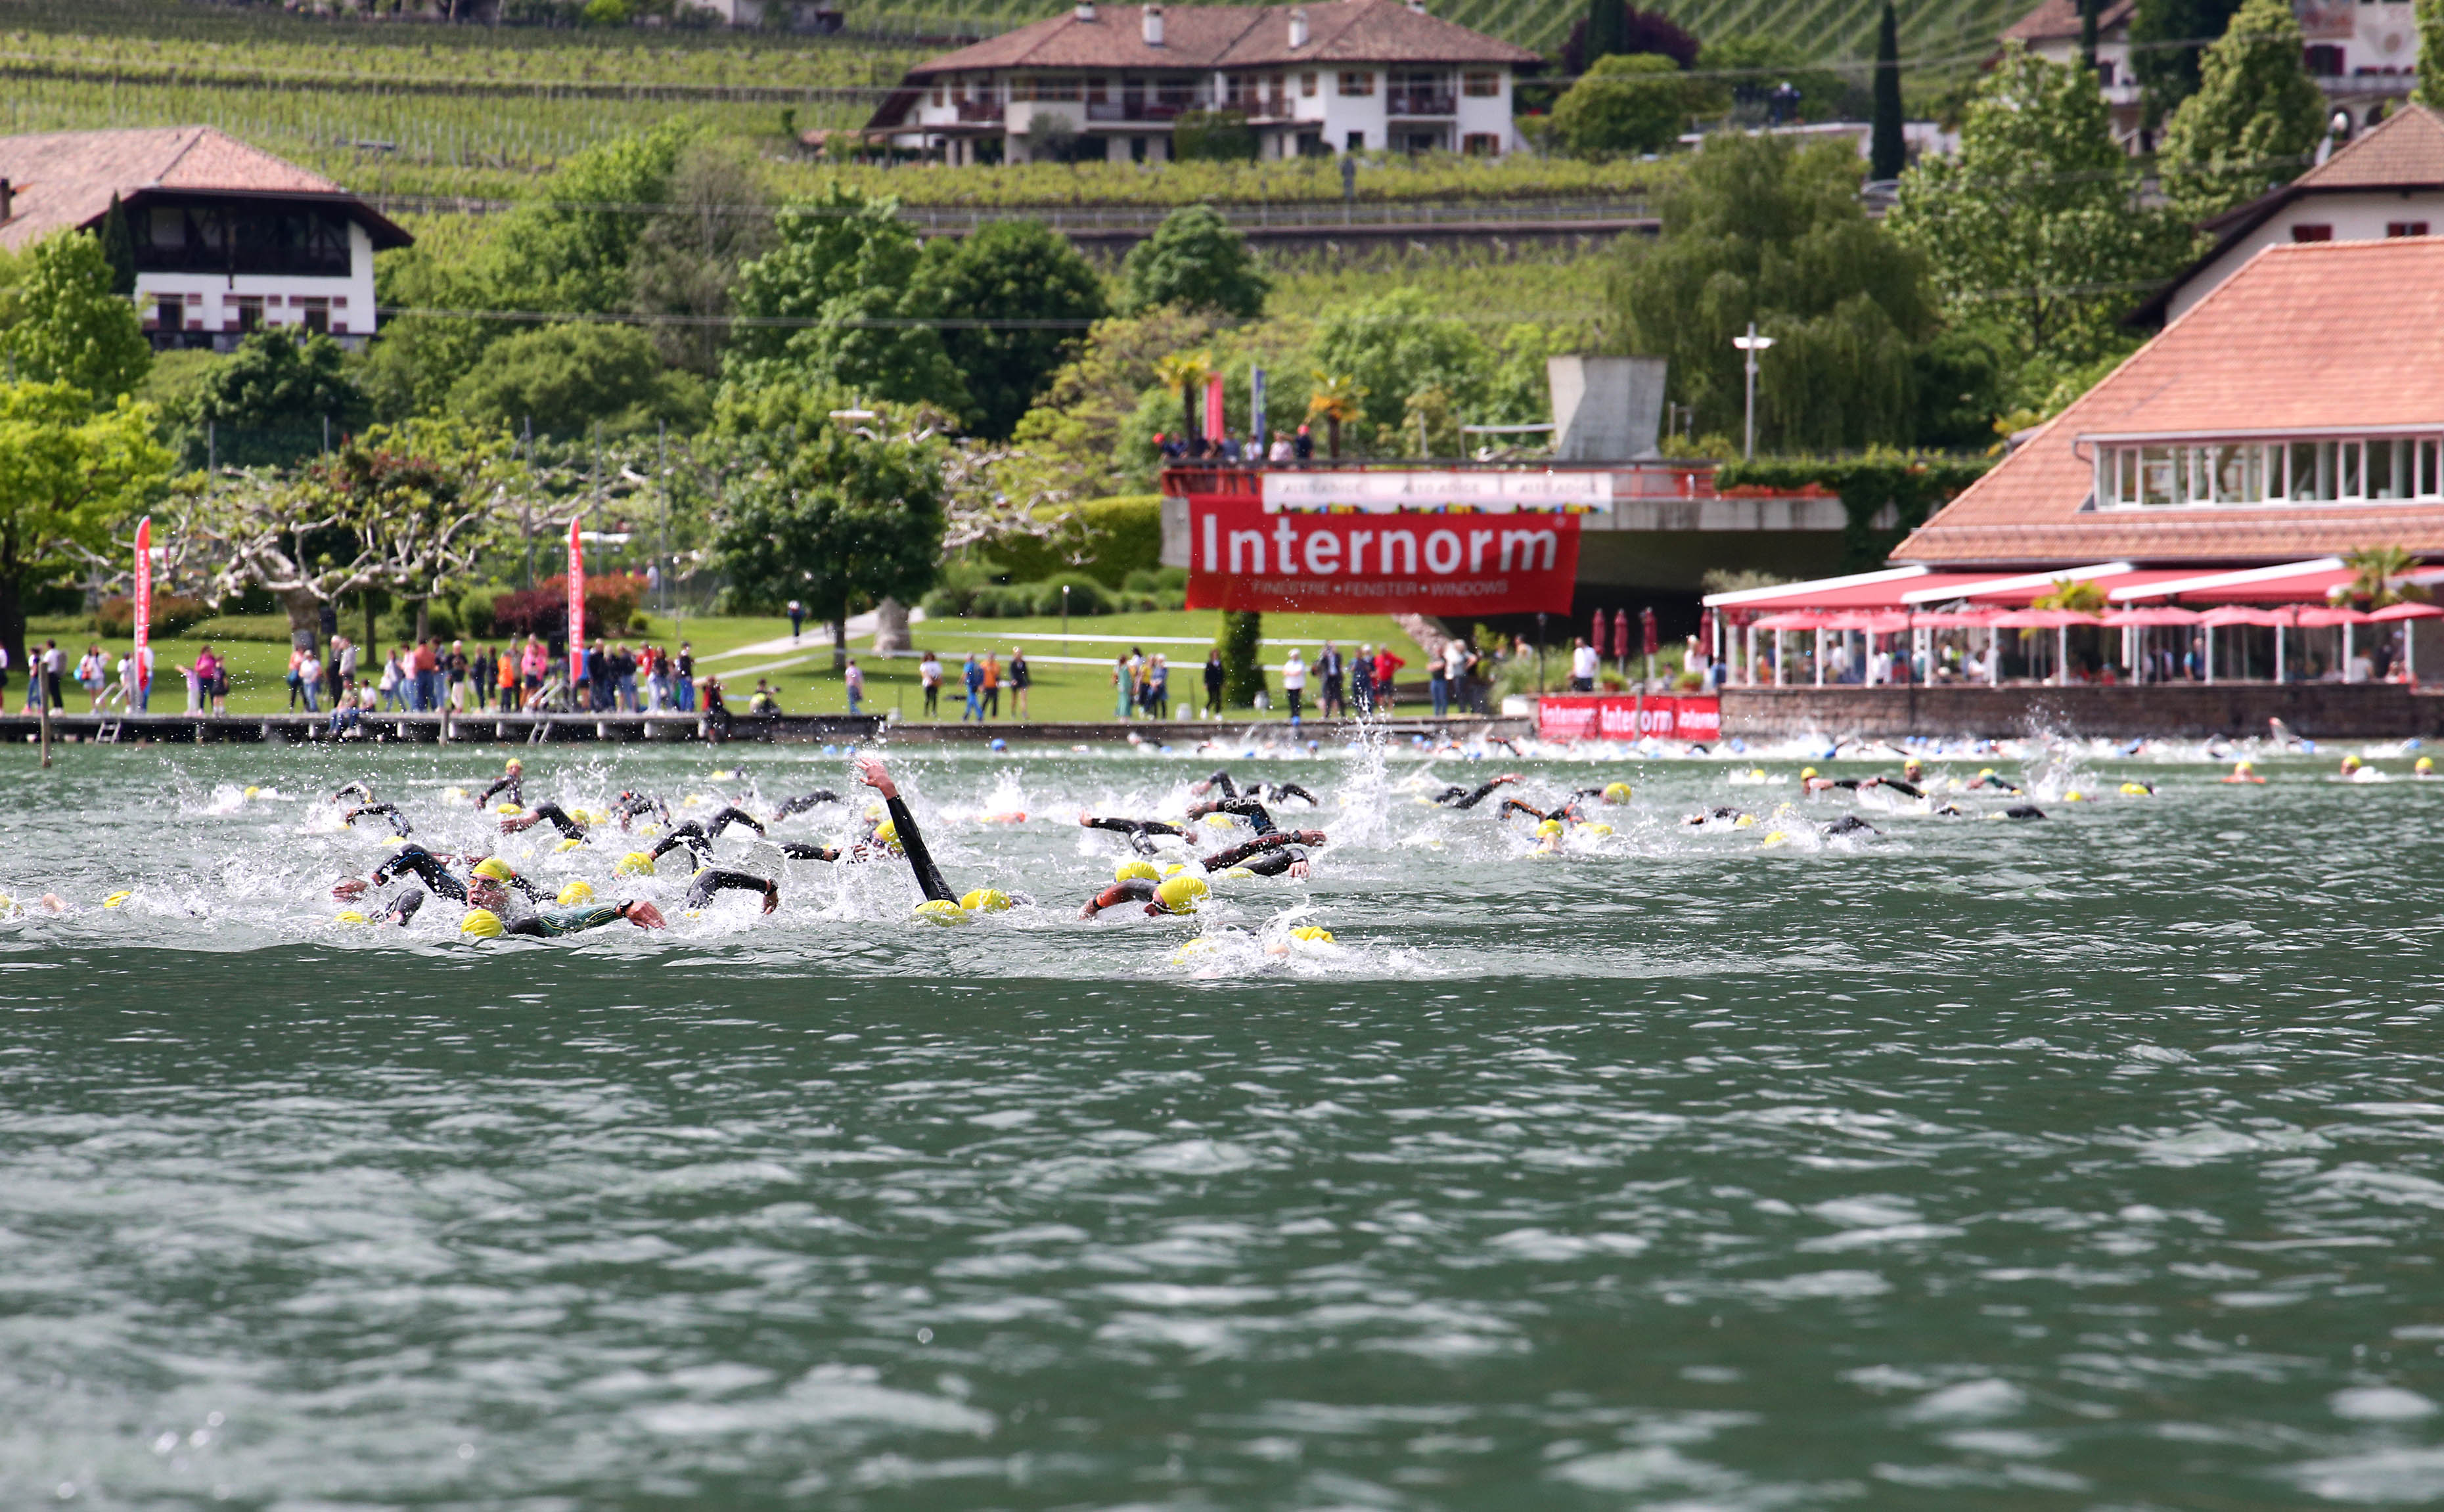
pixel 575 603
pixel 1214 418
pixel 1242 558
pixel 144 606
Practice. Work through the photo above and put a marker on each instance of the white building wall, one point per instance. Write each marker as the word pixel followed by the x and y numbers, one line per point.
pixel 211 300
pixel 2352 217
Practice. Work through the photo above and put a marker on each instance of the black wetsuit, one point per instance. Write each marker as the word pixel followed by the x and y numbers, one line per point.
pixel 1268 855
pixel 632 804
pixel 362 790
pixel 1854 783
pixel 1136 890
pixel 731 813
pixel 708 882
pixel 1717 813
pixel 560 820
pixel 419 860
pixel 1137 830
pixel 799 851
pixel 799 806
pixel 513 784
pixel 399 823
pixel 1246 808
pixel 1512 805
pixel 552 923
pixel 1276 791
pixel 690 835
pixel 2024 811
pixel 402 908
pixel 1465 798
pixel 1850 825
pixel 921 860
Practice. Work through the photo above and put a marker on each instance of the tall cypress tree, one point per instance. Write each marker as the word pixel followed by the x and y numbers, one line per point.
pixel 1605 24
pixel 1888 155
pixel 2173 35
pixel 2087 32
pixel 118 249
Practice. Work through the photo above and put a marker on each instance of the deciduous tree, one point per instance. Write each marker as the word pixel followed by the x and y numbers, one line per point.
pixel 1015 301
pixel 2254 120
pixel 1195 260
pixel 571 378
pixel 60 322
pixel 68 473
pixel 1628 102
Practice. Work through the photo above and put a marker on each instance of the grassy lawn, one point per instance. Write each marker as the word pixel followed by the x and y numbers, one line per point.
pixel 1065 689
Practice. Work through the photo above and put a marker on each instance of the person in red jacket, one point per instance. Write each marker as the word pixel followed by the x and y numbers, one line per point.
pixel 1385 665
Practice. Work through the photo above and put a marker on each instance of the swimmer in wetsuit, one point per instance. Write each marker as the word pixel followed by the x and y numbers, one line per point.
pixel 628 808
pixel 729 814
pixel 362 790
pixel 871 771
pixel 1275 791
pixel 1849 824
pixel 710 882
pixel 2024 811
pixel 414 859
pixel 1987 782
pixel 511 781
pixel 1809 780
pixel 554 922
pixel 557 815
pixel 1137 830
pixel 1173 894
pixel 1270 854
pixel 799 806
pixel 1729 815
pixel 1457 797
pixel 399 823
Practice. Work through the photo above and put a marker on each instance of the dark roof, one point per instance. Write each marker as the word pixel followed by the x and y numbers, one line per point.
pixel 2319 336
pixel 2058 21
pixel 65 179
pixel 2403 151
pixel 1339 32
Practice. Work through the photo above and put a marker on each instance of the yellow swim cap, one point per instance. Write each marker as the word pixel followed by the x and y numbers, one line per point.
pixel 393 841
pixel 351 916
pixel 635 863
pixel 1181 895
pixel 569 844
pixel 2074 796
pixel 1135 871
pixel 941 911
pixel 575 892
pixel 1616 792
pixel 2424 764
pixel 2133 790
pixel 493 867
pixel 1745 821
pixel 1806 772
pixel 252 791
pixel 1550 826
pixel 1774 839
pixel 513 764
pixel 724 774
pixel 985 901
pixel 117 899
pixel 888 833
pixel 1757 772
pixel 1174 868
pixel 1189 949
pixel 1315 932
pixel 454 792
pixel 1238 874
pixel 1986 771
pixel 482 923
pixel 1597 829
pixel 1218 821
pixel 2244 764
pixel 2350 764
pixel 505 808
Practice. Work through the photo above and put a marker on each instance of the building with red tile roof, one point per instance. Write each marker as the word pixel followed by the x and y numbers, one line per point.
pixel 1108 82
pixel 2296 411
pixel 228 237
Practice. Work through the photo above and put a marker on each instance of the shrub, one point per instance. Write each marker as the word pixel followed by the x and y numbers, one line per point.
pixel 1108 539
pixel 171 612
pixel 1087 595
pixel 542 610
pixel 476 610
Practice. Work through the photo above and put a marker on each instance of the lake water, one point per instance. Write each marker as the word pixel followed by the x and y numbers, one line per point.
pixel 2084 1163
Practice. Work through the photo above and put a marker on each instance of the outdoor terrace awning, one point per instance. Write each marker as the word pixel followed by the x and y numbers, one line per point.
pixel 2290 582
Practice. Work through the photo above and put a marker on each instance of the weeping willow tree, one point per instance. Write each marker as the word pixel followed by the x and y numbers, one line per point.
pixel 1763 231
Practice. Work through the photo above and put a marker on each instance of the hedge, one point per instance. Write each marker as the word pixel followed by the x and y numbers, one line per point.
pixel 1914 483
pixel 1115 537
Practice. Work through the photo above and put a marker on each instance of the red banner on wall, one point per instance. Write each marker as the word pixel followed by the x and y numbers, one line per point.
pixel 1665 716
pixel 576 603
pixel 1242 558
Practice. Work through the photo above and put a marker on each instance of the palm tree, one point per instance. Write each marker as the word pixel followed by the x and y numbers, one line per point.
pixel 1183 374
pixel 2375 577
pixel 1336 398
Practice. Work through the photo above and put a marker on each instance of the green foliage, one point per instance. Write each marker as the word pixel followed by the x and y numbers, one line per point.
pixel 1085 433
pixel 1960 385
pixel 569 377
pixel 568 248
pixel 2429 88
pixel 1887 154
pixel 1766 231
pixel 2254 120
pixel 1606 33
pixel 848 264
pixel 60 322
pixel 833 519
pixel 718 218
pixel 1748 66
pixel 1914 485
pixel 410 370
pixel 1213 137
pixel 69 474
pixel 1008 270
pixel 2168 37
pixel 2035 230
pixel 1109 540
pixel 1637 103
pixel 117 249
pixel 1243 667
pixel 1195 260
pixel 1400 347
pixel 274 393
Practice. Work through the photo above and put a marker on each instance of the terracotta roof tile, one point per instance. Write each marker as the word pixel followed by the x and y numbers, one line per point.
pixel 65 179
pixel 2057 19
pixel 1198 37
pixel 2404 149
pixel 2317 335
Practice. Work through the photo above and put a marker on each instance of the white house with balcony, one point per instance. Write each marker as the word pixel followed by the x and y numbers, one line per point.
pixel 2363 55
pixel 228 238
pixel 1102 83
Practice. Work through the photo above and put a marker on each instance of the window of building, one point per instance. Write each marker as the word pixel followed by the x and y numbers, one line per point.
pixel 2325 61
pixel 1355 82
pixel 314 314
pixel 2405 227
pixel 1308 84
pixel 1481 84
pixel 2203 474
pixel 1095 90
pixel 1056 87
pixel 1481 145
pixel 2105 72
pixel 937 97
pixel 1278 90
pixel 2312 233
pixel 170 312
pixel 245 314
pixel 1358 142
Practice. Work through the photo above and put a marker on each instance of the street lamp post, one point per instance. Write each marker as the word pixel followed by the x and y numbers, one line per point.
pixel 1752 344
pixel 1064 613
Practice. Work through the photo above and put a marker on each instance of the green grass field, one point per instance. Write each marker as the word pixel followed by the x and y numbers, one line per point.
pixel 1073 679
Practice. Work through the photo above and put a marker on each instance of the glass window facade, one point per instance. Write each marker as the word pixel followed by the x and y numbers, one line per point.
pixel 2203 474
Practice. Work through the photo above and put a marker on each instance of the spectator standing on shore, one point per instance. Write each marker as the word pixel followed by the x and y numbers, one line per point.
pixel 1362 680
pixel 624 678
pixel 1157 694
pixel 1454 662
pixel 194 675
pixel 1283 450
pixel 1438 686
pixel 427 661
pixel 1305 445
pixel 1330 668
pixel 1125 688
pixel 391 673
pixel 455 668
pixel 212 680
pixel 973 677
pixel 481 669
pixel 55 665
pixel 1021 679
pixel 1294 684
pixel 343 661
pixel 929 676
pixel 309 682
pixel 1214 679
pixel 797 616
pixel 855 678
pixel 1385 665
pixel 91 677
pixel 684 671
pixel 140 693
pixel 296 683
pixel 993 686
pixel 1585 664
pixel 537 666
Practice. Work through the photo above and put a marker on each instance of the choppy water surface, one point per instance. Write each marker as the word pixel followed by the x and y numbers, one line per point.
pixel 2089 1163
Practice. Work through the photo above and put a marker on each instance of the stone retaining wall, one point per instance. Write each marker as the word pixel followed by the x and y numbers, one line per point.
pixel 2319 710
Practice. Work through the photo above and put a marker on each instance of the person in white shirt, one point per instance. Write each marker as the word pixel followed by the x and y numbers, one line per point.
pixel 1455 671
pixel 1294 684
pixel 309 681
pixel 1585 664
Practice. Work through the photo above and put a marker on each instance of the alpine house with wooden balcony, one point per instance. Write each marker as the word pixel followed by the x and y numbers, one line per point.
pixel 1106 84
pixel 228 238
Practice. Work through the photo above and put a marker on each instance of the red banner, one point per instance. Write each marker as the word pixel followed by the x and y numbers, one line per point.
pixel 1618 716
pixel 575 603
pixel 143 602
pixel 1242 558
